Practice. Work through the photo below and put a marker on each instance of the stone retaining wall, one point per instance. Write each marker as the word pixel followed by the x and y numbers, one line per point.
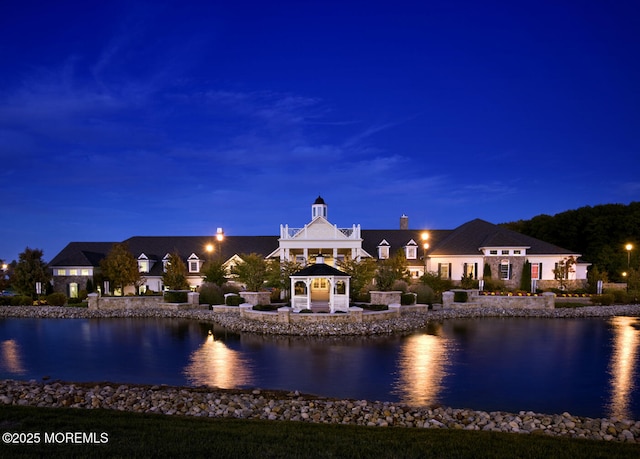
pixel 140 302
pixel 475 300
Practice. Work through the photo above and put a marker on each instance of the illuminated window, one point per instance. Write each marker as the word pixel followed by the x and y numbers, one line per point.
pixel 517 252
pixel 194 266
pixel 84 272
pixel 73 272
pixel 61 272
pixel 535 270
pixel 143 266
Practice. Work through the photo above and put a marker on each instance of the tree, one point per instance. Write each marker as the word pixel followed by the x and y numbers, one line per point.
pixel 175 274
pixel 279 274
pixel 563 269
pixel 362 273
pixel 391 270
pixel 593 276
pixel 120 267
pixel 525 279
pixel 214 272
pixel 252 271
pixel 29 270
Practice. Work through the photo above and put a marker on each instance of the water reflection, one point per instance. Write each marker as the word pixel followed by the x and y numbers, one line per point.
pixel 10 359
pixel 423 362
pixel 626 338
pixel 215 364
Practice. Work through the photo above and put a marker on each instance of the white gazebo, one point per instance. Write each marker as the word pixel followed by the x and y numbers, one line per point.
pixel 320 285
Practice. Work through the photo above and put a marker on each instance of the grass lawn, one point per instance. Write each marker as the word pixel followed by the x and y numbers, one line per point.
pixel 141 435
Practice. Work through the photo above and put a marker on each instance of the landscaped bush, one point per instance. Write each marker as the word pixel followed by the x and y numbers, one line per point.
pixel 70 301
pixel 56 299
pixel 306 311
pixel 375 307
pixel 233 300
pixel 265 307
pixel 620 296
pixel 605 299
pixel 21 300
pixel 211 294
pixel 407 298
pixel 425 294
pixel 175 296
pixel 460 296
pixel 400 286
pixel 5 301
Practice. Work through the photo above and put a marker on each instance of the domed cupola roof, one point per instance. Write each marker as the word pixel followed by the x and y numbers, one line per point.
pixel 319 200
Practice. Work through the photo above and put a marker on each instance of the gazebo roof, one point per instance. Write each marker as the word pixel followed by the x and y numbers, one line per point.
pixel 320 270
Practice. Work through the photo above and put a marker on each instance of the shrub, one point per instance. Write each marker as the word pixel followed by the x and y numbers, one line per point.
pixel 57 299
pixel 605 299
pixel 399 285
pixel 211 293
pixel 408 298
pixel 233 300
pixel 306 311
pixel 375 307
pixel 265 307
pixel 21 300
pixel 70 300
pixel 425 294
pixel 5 301
pixel 175 296
pixel 460 296
pixel 620 296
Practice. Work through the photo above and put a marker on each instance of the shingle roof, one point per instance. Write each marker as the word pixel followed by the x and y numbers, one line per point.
pixel 320 269
pixel 82 254
pixel 470 237
pixel 398 238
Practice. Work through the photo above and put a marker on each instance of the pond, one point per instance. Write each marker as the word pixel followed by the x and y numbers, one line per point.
pixel 588 367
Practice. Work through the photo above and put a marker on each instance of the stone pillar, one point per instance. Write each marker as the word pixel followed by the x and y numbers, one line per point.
pixel 193 298
pixel 284 315
pixel 447 300
pixel 93 300
pixel 549 300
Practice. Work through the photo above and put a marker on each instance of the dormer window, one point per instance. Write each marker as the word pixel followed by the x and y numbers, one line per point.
pixel 143 263
pixel 383 250
pixel 194 263
pixel 411 250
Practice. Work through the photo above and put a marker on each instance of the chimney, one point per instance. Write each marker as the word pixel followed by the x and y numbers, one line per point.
pixel 404 222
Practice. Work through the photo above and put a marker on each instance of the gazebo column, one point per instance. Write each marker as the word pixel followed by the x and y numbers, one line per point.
pixel 332 307
pixel 307 282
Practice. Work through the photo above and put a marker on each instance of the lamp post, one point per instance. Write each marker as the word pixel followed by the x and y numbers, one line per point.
pixel 425 246
pixel 624 276
pixel 629 248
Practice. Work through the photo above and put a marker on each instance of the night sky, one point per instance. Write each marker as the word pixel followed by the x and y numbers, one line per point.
pixel 127 118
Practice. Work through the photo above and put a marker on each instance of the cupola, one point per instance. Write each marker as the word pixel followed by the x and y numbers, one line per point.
pixel 319 208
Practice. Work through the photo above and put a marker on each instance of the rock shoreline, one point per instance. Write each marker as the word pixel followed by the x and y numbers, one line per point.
pixel 269 405
pixel 266 405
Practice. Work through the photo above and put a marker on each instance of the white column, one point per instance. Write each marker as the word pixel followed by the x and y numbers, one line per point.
pixel 308 284
pixel 332 307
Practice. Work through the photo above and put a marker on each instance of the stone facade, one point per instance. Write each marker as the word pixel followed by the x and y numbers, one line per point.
pixel 387 298
pixel 543 301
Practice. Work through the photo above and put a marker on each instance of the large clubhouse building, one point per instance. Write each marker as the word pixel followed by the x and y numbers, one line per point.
pixel 451 254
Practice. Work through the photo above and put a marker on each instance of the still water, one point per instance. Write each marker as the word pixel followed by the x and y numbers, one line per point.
pixel 588 367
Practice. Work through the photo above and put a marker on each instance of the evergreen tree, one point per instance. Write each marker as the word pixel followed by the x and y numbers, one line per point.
pixel 30 270
pixel 175 274
pixel 525 279
pixel 252 271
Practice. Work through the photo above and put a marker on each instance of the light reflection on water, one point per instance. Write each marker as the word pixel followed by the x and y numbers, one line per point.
pixel 214 364
pixel 10 359
pixel 423 362
pixel 622 367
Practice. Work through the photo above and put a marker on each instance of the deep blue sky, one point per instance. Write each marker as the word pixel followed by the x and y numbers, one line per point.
pixel 175 118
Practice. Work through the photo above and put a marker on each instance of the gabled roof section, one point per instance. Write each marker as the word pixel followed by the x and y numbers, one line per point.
pixel 398 238
pixel 82 254
pixel 474 235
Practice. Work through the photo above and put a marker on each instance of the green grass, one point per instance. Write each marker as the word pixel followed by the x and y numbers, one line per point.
pixel 135 435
